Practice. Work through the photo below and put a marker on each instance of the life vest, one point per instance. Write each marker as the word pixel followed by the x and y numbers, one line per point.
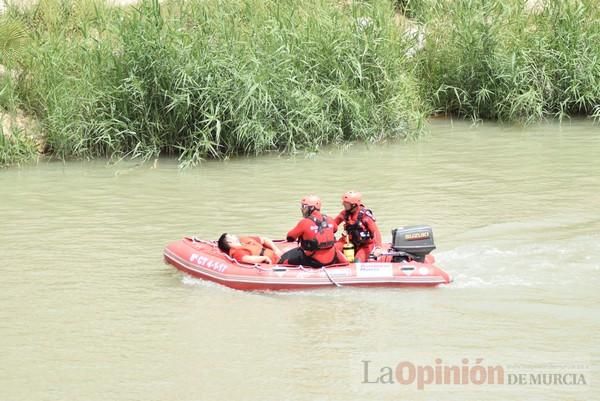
pixel 359 233
pixel 321 238
pixel 251 246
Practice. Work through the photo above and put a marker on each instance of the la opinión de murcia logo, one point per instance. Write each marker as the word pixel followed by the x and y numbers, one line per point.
pixel 468 372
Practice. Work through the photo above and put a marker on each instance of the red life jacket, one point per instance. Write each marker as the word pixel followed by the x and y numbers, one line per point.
pixel 359 233
pixel 252 247
pixel 322 237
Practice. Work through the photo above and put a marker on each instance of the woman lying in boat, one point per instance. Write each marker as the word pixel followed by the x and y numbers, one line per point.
pixel 249 249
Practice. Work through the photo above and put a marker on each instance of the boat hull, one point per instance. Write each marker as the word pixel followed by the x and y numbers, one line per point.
pixel 202 259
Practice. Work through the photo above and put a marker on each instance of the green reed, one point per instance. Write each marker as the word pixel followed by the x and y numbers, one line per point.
pixel 494 59
pixel 217 78
pixel 16 148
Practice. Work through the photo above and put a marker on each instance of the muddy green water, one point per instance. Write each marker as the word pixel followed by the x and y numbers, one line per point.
pixel 88 310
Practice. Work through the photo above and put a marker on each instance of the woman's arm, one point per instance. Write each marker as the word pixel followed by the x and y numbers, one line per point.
pixel 256 259
pixel 268 243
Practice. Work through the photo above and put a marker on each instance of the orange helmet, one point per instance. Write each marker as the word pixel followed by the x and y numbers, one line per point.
pixel 352 197
pixel 311 201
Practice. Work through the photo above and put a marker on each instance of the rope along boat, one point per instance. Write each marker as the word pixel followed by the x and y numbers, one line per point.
pixel 396 268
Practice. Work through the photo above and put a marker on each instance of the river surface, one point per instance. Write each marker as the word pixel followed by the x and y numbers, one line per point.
pixel 88 310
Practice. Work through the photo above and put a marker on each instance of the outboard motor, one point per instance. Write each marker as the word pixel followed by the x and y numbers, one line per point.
pixel 413 242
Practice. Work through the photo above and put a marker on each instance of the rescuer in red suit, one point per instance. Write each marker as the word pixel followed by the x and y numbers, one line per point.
pixel 359 227
pixel 315 233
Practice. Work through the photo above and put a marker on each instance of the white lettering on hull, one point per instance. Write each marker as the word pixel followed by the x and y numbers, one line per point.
pixel 374 270
pixel 208 263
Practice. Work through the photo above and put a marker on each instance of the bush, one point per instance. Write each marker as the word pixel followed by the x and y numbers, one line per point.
pixel 218 78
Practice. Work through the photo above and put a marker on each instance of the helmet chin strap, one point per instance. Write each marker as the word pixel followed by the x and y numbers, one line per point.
pixel 307 211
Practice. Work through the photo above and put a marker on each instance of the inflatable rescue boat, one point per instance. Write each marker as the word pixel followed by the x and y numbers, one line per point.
pixel 407 262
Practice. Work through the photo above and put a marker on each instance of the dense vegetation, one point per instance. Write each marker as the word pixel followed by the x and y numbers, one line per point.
pixel 217 78
pixel 492 60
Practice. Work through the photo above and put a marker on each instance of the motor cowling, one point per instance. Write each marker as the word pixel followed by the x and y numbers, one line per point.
pixel 413 241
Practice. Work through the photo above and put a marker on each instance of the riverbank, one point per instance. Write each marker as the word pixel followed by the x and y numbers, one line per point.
pixel 213 80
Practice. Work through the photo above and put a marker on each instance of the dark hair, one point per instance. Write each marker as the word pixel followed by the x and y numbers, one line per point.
pixel 222 243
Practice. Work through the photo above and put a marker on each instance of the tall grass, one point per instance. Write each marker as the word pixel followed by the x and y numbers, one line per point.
pixel 492 59
pixel 13 42
pixel 16 148
pixel 12 39
pixel 217 78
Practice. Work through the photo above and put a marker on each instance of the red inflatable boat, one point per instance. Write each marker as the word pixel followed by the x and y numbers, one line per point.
pixel 203 259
